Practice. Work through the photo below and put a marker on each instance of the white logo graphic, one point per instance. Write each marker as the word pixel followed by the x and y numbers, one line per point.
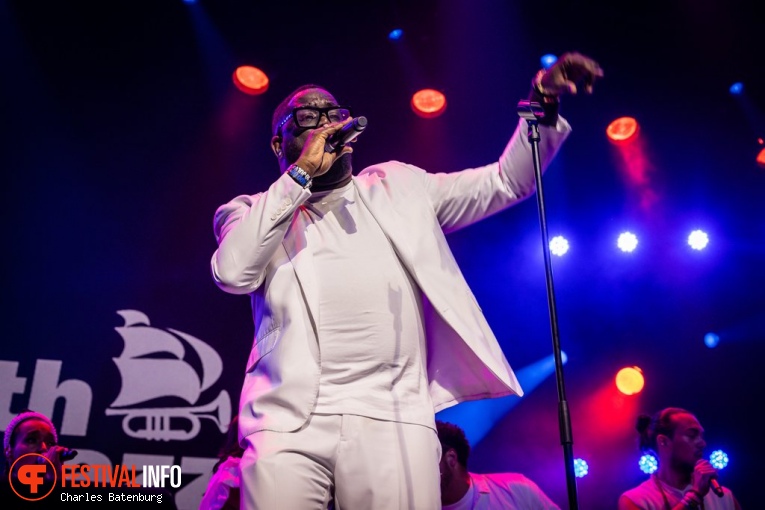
pixel 146 378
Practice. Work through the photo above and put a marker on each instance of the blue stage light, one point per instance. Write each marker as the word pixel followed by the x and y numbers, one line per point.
pixel 395 34
pixel 698 239
pixel 737 88
pixel 648 464
pixel 718 459
pixel 627 242
pixel 581 468
pixel 558 246
pixel 477 417
pixel 711 340
pixel 548 60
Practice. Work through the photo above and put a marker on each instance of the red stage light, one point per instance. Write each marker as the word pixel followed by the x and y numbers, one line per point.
pixel 630 380
pixel 428 103
pixel 622 129
pixel 761 158
pixel 250 80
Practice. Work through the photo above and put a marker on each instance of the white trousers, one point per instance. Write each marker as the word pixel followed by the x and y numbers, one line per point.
pixel 361 463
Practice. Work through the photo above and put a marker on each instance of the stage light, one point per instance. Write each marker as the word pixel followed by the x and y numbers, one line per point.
pixel 395 34
pixel 698 240
pixel 711 340
pixel 548 60
pixel 428 103
pixel 558 246
pixel 250 80
pixel 737 88
pixel 627 242
pixel 761 158
pixel 630 380
pixel 648 464
pixel 581 468
pixel 622 130
pixel 478 417
pixel 718 459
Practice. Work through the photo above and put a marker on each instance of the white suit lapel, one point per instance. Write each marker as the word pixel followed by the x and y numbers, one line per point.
pixel 376 199
pixel 296 243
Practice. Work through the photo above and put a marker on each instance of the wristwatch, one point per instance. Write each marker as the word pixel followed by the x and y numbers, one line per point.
pixel 300 176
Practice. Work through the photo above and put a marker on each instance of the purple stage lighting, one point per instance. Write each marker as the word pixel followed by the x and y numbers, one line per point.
pixel 558 246
pixel 548 60
pixel 698 239
pixel 581 468
pixel 718 459
pixel 648 464
pixel 395 34
pixel 627 242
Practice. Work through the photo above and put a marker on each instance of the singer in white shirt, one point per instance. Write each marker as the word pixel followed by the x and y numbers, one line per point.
pixel 364 325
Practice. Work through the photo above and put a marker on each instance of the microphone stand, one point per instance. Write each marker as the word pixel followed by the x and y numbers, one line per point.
pixel 532 112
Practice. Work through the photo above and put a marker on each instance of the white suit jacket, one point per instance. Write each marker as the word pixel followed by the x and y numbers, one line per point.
pixel 263 252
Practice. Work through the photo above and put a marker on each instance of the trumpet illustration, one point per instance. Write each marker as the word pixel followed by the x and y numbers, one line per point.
pixel 145 378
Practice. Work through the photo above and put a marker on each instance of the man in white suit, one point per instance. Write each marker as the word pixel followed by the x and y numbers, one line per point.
pixel 364 325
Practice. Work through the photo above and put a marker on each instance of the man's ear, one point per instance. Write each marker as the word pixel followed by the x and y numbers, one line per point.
pixel 451 458
pixel 276 145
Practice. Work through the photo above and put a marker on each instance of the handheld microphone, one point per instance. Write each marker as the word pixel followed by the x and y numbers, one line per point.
pixel 347 134
pixel 64 455
pixel 67 454
pixel 715 486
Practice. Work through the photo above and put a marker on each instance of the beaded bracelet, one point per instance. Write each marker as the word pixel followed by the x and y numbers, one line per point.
pixel 300 176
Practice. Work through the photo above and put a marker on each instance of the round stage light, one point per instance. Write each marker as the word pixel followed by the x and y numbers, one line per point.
pixel 250 80
pixel 698 239
pixel 737 88
pixel 558 246
pixel 622 129
pixel 648 464
pixel 395 34
pixel 581 468
pixel 718 459
pixel 627 242
pixel 711 340
pixel 761 158
pixel 548 60
pixel 428 103
pixel 630 380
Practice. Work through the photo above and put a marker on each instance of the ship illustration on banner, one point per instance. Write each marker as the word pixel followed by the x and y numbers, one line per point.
pixel 145 378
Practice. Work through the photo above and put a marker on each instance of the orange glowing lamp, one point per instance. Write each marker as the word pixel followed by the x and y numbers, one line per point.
pixel 761 158
pixel 250 80
pixel 428 103
pixel 622 129
pixel 630 380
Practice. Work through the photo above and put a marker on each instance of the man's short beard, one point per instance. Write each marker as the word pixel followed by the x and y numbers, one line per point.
pixel 337 173
pixel 340 171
